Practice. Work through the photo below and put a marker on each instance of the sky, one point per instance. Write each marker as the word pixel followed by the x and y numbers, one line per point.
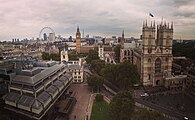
pixel 25 18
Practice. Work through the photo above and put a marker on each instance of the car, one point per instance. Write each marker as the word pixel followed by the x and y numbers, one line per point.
pixel 185 118
pixel 144 95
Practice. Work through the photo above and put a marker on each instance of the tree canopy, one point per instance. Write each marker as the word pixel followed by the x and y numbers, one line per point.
pixel 144 114
pixel 73 56
pixel 53 56
pixel 122 106
pixel 97 65
pixel 184 49
pixel 95 82
pixel 122 75
pixel 92 55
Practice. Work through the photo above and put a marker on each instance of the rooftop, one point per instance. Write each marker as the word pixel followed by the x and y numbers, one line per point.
pixel 38 77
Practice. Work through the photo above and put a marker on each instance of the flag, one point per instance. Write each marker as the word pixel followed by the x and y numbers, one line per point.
pixel 151 15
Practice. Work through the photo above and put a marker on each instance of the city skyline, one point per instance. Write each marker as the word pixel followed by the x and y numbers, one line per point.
pixel 25 18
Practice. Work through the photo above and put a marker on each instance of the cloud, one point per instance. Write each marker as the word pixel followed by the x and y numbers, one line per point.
pixel 25 18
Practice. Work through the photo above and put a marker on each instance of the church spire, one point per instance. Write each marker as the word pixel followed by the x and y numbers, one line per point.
pixel 146 23
pixel 143 24
pixel 123 35
pixel 154 24
pixel 78 29
pixel 171 25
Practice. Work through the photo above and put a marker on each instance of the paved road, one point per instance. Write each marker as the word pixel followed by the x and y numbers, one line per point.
pixel 83 96
pixel 170 113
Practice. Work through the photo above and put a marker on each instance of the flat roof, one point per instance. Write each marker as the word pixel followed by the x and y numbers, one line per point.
pixel 36 78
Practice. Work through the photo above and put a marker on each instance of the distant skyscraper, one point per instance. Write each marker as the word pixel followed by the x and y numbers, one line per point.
pixel 70 39
pixel 51 37
pixel 44 36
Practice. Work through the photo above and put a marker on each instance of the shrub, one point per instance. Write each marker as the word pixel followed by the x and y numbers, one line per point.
pixel 99 97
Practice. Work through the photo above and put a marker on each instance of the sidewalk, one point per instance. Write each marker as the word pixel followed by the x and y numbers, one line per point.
pixel 82 97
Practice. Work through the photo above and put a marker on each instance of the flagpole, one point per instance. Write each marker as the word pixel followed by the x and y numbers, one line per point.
pixel 149 18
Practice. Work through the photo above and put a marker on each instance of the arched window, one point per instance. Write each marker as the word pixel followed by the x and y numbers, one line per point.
pixel 149 77
pixel 128 52
pixel 158 65
pixel 125 52
pixel 150 40
pixel 149 60
pixel 167 40
pixel 149 50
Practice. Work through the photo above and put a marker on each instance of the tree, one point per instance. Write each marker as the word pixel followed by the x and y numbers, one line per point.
pixel 144 114
pixel 122 75
pixel 184 49
pixel 92 55
pixel 53 56
pixel 97 65
pixel 122 106
pixel 73 56
pixel 45 56
pixel 117 51
pixel 95 82
pixel 99 97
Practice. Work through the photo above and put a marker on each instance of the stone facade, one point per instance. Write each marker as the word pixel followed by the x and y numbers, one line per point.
pixel 154 57
pixel 64 56
pixel 106 53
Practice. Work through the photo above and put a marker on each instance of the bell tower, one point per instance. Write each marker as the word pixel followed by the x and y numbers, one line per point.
pixel 78 40
pixel 156 63
pixel 148 37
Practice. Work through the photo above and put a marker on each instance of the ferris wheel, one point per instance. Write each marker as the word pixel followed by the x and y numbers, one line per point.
pixel 51 34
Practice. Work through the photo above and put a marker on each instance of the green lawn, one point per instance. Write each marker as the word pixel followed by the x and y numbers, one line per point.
pixel 100 111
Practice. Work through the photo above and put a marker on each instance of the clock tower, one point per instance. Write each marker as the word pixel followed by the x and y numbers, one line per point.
pixel 78 40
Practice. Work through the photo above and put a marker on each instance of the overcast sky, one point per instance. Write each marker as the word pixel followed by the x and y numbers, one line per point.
pixel 25 18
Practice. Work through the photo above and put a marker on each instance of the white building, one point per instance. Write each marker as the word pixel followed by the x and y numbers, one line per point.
pixel 64 56
pixel 77 73
pixel 106 53
pixel 52 37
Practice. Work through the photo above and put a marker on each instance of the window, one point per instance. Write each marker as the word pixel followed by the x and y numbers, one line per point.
pixel 128 52
pixel 150 40
pixel 150 50
pixel 125 52
pixel 149 77
pixel 167 41
pixel 158 65
pixel 79 76
pixel 166 59
pixel 149 60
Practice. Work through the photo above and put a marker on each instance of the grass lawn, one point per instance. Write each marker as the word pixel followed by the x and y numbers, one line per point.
pixel 100 111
